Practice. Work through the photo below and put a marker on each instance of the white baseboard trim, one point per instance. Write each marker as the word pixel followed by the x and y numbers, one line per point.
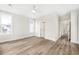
pixel 15 38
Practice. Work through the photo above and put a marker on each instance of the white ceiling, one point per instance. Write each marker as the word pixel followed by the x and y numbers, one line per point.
pixel 42 9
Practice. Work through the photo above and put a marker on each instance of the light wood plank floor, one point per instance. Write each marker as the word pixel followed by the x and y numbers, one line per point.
pixel 38 46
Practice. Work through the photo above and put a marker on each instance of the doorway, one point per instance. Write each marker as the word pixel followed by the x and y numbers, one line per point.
pixel 42 29
pixel 65 28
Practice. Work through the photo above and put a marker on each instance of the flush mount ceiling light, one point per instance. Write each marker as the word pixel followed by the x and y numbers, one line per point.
pixel 34 10
pixel 10 5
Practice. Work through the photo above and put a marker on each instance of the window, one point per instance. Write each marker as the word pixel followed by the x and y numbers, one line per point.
pixel 5 23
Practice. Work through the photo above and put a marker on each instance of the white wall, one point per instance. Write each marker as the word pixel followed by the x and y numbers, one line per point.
pixel 20 26
pixel 20 29
pixel 78 27
pixel 74 26
pixel 51 26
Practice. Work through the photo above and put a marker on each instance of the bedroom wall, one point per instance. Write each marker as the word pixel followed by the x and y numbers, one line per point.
pixel 51 26
pixel 78 26
pixel 20 26
pixel 74 26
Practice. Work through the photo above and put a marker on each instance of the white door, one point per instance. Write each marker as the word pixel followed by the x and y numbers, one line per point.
pixel 42 29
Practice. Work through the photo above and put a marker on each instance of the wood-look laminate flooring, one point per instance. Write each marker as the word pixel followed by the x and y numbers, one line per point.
pixel 38 46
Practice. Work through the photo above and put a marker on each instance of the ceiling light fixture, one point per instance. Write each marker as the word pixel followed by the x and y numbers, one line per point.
pixel 10 5
pixel 34 10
